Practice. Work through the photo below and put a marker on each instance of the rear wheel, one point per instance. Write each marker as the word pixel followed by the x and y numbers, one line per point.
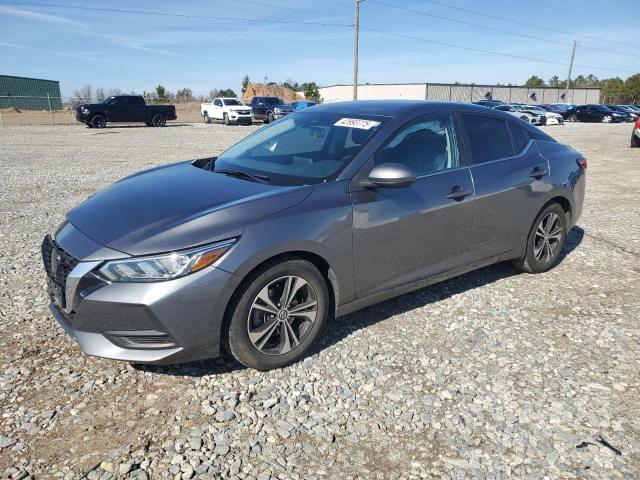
pixel 278 315
pixel 158 120
pixel 207 118
pixel 98 121
pixel 572 118
pixel 546 240
pixel 524 118
pixel 635 141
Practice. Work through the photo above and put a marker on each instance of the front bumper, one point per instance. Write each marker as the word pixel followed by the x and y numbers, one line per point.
pixel 83 117
pixel 164 322
pixel 240 119
pixel 278 116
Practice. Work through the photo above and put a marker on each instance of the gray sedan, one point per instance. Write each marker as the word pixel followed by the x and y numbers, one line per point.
pixel 321 213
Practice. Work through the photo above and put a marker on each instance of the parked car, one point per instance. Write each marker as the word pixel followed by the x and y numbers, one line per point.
pixel 566 106
pixel 511 110
pixel 555 109
pixel 269 109
pixel 552 118
pixel 489 103
pixel 631 115
pixel 124 108
pixel 633 108
pixel 594 113
pixel 635 134
pixel 535 117
pixel 299 105
pixel 227 110
pixel 317 215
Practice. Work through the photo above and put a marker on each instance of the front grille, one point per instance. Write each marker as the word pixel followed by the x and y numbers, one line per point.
pixel 58 264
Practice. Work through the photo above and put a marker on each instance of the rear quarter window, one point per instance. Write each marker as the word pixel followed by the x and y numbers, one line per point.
pixel 489 138
pixel 520 137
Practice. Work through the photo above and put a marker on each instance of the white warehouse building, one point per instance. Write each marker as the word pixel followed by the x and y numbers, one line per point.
pixel 457 92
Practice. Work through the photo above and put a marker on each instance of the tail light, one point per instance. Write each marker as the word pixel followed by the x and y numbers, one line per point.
pixel 638 122
pixel 582 163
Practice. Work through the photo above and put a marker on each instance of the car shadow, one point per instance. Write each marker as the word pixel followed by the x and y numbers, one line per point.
pixel 168 125
pixel 342 327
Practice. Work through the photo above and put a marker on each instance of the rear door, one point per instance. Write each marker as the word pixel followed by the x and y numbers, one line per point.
pixel 406 234
pixel 510 179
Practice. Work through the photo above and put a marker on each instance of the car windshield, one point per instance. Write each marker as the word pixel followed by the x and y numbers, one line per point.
pixel 107 100
pixel 231 102
pixel 303 148
pixel 603 108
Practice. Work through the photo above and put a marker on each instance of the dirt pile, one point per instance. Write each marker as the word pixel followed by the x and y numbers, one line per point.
pixel 262 90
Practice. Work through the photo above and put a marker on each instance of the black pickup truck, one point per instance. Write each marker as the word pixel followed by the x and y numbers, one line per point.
pixel 269 109
pixel 124 108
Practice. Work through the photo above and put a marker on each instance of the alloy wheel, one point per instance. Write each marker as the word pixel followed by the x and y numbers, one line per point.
pixel 282 315
pixel 547 238
pixel 606 119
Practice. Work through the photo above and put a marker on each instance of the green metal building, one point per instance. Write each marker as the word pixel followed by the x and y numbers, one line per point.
pixel 29 93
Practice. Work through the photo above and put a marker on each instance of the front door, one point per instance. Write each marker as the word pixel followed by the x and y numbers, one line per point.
pixel 406 234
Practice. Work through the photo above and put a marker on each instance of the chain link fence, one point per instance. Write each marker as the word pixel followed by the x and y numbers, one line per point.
pixel 48 110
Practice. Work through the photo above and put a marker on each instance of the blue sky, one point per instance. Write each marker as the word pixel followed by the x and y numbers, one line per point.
pixel 135 51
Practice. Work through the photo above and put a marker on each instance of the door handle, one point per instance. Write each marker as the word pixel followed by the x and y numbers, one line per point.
pixel 538 173
pixel 457 193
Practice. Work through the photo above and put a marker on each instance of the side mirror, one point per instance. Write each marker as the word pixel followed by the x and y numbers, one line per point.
pixel 390 175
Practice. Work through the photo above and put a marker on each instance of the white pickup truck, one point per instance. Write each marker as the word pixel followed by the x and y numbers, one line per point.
pixel 228 110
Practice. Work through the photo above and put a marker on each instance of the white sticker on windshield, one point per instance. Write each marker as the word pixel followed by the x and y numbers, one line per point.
pixel 356 123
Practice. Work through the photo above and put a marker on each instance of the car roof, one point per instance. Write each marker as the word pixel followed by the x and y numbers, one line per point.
pixel 394 108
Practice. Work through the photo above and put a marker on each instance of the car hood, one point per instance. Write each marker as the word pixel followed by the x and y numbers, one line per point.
pixel 175 207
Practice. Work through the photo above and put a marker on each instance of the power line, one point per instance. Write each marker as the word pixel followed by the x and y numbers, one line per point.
pixel 180 15
pixel 542 27
pixel 494 29
pixel 491 52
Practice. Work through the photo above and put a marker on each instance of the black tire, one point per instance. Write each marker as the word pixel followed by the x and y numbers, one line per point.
pixel 88 124
pixel 225 119
pixel 635 141
pixel 206 118
pixel 98 121
pixel 270 117
pixel 526 119
pixel 158 120
pixel 530 261
pixel 242 315
pixel 572 118
pixel 606 119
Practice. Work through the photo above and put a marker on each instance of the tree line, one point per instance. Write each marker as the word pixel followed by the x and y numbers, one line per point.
pixel 614 90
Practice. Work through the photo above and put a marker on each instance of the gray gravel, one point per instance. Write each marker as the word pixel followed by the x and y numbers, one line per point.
pixel 494 374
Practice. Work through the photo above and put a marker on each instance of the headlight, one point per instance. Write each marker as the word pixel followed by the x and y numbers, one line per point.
pixel 164 267
pixel 276 110
pixel 85 110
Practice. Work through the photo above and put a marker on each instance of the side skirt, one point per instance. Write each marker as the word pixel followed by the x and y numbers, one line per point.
pixel 425 282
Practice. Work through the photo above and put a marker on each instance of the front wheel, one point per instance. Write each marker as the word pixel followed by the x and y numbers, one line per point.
pixel 545 241
pixel 278 315
pixel 572 118
pixel 635 141
pixel 158 120
pixel 98 121
pixel 270 117
pixel 607 119
pixel 225 117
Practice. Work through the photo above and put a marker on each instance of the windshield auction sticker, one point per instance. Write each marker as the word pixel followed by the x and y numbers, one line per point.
pixel 356 123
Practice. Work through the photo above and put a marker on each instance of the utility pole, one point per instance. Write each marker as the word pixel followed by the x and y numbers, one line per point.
pixel 356 31
pixel 566 85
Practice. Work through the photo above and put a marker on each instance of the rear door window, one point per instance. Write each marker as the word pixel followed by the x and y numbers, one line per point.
pixel 489 138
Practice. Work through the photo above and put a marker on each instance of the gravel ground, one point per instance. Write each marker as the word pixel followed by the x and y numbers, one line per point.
pixel 494 374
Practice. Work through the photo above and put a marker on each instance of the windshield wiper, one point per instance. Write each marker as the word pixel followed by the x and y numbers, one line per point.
pixel 256 177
